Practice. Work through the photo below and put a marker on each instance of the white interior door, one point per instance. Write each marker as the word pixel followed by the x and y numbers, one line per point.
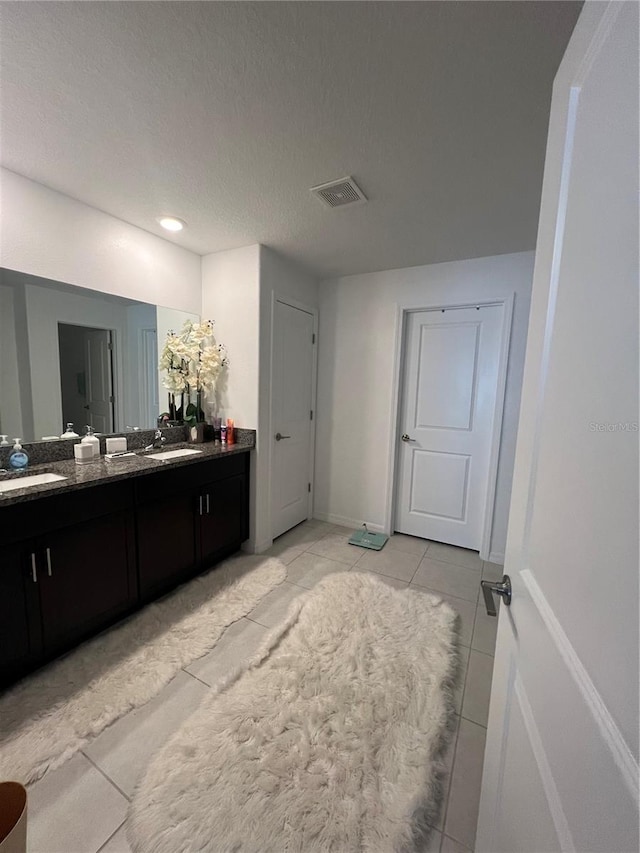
pixel 452 361
pixel 99 380
pixel 292 402
pixel 561 760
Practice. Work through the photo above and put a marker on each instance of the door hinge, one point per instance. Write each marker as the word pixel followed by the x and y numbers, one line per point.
pixel 313 338
pixel 309 489
pixel 110 345
pixel 311 415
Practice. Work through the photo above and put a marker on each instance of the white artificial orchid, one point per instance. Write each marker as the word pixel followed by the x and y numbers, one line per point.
pixel 192 359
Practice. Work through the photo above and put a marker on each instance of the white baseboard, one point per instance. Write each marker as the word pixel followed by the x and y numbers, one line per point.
pixel 496 557
pixel 344 521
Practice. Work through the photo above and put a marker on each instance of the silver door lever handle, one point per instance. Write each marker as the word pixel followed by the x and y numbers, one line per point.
pixel 279 436
pixel 502 588
pixel 406 437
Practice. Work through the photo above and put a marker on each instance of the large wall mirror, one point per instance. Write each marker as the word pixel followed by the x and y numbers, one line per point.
pixel 70 355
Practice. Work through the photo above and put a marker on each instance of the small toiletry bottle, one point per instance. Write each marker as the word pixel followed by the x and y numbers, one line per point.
pixel 69 433
pixel 18 460
pixel 223 434
pixel 217 423
pixel 3 441
pixel 93 441
pixel 231 435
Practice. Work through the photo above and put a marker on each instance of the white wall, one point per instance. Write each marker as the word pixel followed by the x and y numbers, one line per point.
pixel 231 298
pixel 48 234
pixel 237 290
pixel 355 378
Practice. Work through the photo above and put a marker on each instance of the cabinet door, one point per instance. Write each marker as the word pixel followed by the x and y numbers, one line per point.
pixel 222 521
pixel 166 542
pixel 86 579
pixel 19 623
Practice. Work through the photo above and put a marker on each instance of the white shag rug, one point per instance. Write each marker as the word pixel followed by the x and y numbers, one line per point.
pixel 327 741
pixel 50 715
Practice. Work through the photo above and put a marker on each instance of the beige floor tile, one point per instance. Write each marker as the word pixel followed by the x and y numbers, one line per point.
pixel 448 578
pixel 485 629
pixel 124 749
pixel 449 845
pixel 117 843
pixel 433 842
pixel 307 569
pixel 477 692
pixel 73 809
pixel 274 606
pixel 465 610
pixel 336 547
pixel 302 536
pixel 458 556
pixel 394 582
pixel 463 665
pixel 449 756
pixel 236 645
pixel 394 564
pixel 464 794
pixel 410 544
pixel 492 571
pixel 284 550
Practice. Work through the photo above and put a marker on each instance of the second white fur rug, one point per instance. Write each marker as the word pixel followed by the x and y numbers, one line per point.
pixel 327 741
pixel 49 716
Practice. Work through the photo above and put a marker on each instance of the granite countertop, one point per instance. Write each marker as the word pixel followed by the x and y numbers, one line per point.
pixel 108 470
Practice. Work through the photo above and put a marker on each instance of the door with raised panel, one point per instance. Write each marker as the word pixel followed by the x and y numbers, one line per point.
pixel 561 762
pixel 452 361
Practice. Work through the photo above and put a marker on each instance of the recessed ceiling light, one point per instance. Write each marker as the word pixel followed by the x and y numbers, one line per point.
pixel 170 223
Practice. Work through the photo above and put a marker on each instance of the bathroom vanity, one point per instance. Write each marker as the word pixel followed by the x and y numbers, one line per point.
pixel 80 553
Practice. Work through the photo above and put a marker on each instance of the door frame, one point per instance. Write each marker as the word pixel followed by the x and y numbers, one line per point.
pixel 308 309
pixel 402 315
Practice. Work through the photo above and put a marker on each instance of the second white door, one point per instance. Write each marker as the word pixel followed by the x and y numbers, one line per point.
pixel 452 361
pixel 292 402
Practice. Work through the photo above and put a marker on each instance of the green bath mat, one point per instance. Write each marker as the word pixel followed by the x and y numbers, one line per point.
pixel 364 539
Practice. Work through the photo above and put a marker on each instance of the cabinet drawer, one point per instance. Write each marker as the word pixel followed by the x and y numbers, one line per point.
pixel 160 485
pixel 44 515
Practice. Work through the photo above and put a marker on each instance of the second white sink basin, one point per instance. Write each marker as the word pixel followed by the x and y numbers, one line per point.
pixel 173 454
pixel 27 482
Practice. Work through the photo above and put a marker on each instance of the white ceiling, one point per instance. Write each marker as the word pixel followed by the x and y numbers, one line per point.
pixel 224 114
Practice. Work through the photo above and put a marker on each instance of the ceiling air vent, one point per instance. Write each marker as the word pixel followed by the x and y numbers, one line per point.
pixel 338 193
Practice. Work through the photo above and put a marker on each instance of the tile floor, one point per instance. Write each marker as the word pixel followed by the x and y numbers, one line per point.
pixel 81 807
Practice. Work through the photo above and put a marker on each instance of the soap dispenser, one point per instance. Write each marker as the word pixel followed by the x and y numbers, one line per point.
pixel 91 439
pixel 18 459
pixel 69 432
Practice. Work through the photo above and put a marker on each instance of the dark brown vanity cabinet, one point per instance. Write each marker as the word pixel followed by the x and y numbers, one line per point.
pixel 75 563
pixel 188 519
pixel 20 640
pixel 86 579
pixel 68 571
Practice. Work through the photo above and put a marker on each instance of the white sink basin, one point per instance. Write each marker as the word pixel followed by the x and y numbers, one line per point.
pixel 27 482
pixel 173 454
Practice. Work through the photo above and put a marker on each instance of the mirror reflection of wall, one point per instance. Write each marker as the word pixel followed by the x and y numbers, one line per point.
pixel 68 354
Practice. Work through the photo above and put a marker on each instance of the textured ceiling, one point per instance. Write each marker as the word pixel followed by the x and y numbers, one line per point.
pixel 224 114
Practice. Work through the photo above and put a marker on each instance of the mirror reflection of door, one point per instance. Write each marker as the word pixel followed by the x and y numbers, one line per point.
pixel 86 377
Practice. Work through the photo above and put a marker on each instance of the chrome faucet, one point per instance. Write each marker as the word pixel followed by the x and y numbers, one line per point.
pixel 158 441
